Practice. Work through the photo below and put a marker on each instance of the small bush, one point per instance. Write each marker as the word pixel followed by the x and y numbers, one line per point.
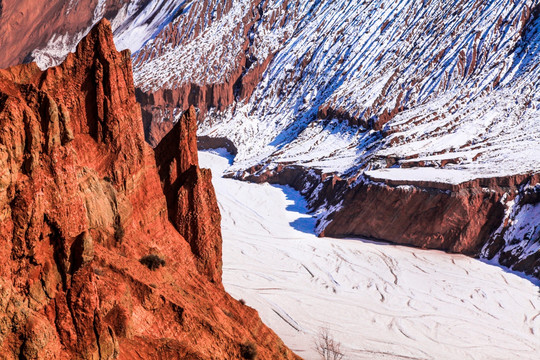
pixel 242 301
pixel 248 351
pixel 153 262
pixel 118 233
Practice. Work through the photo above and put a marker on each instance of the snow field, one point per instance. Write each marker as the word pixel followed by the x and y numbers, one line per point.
pixel 379 300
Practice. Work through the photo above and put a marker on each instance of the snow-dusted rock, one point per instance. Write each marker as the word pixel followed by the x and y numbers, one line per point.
pixel 419 92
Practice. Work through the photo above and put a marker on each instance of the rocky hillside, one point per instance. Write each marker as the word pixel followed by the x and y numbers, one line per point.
pixel 109 248
pixel 408 122
pixel 412 100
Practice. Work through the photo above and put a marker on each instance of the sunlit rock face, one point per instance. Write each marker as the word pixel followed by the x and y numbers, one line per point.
pixel 92 267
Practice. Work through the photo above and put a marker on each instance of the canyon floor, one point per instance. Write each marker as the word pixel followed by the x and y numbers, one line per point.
pixel 380 301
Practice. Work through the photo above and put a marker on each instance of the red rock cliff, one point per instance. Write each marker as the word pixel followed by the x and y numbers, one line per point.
pixel 457 218
pixel 80 205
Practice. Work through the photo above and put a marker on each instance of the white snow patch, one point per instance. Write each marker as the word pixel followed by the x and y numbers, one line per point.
pixel 448 176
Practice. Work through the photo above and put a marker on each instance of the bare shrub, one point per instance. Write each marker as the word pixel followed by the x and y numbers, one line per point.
pixel 153 262
pixel 248 351
pixel 327 347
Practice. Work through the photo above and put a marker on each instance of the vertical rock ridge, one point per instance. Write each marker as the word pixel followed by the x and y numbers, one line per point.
pixel 191 201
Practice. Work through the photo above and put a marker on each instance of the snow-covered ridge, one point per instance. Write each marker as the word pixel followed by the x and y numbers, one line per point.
pixel 210 57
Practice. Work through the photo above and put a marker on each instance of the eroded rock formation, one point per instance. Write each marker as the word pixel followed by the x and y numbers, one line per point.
pixel 329 89
pixel 81 204
pixel 191 201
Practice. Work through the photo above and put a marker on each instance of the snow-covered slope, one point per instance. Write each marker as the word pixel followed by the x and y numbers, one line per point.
pixel 420 82
pixel 447 81
pixel 427 69
pixel 518 237
pixel 380 301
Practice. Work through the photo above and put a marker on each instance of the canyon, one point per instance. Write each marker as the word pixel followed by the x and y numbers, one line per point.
pixel 367 108
pixel 411 123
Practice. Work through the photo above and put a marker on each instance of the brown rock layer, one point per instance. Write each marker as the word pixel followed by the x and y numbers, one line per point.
pixel 191 201
pixel 80 204
pixel 423 217
pixel 456 218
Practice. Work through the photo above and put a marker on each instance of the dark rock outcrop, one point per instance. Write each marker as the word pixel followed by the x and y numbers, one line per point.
pixel 81 203
pixel 207 142
pixel 459 218
pixel 423 216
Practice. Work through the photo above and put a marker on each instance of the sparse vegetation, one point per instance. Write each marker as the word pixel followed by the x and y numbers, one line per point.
pixel 327 347
pixel 153 262
pixel 248 351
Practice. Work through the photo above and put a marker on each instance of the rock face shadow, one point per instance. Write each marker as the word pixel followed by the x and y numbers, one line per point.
pixel 306 221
